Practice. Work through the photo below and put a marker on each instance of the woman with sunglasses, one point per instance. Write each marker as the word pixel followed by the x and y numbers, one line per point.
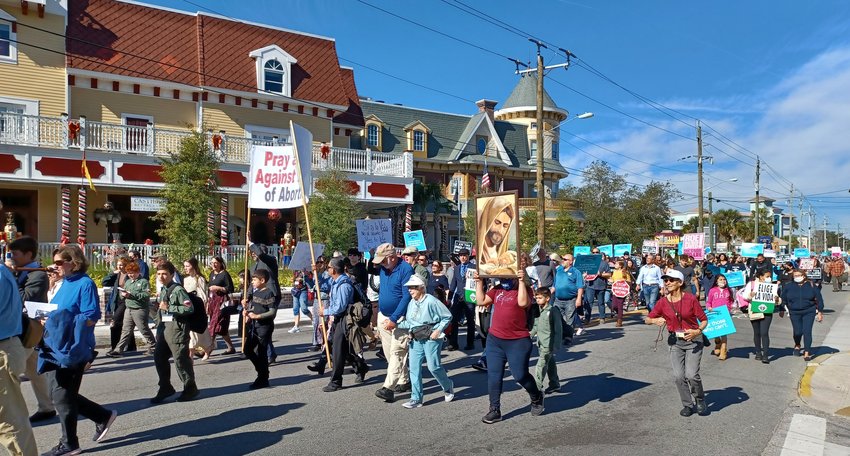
pixel 805 305
pixel 685 321
pixel 437 278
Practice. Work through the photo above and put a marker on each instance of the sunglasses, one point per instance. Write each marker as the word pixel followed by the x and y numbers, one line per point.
pixel 58 262
pixel 668 280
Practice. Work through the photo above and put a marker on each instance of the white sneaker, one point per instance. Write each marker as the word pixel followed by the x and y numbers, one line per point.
pixel 450 395
pixel 411 404
pixel 294 329
pixel 579 331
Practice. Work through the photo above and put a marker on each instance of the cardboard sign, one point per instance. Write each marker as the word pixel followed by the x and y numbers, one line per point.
pixel 39 309
pixel 814 274
pixel 461 245
pixel 588 264
pixel 764 297
pixel 735 279
pixel 607 249
pixel 807 263
pixel 274 181
pixel 751 249
pixel 782 259
pixel 719 323
pixel 693 244
pixel 301 256
pixel 766 241
pixel 769 253
pixel 372 233
pixel 622 249
pixel 469 286
pixel 620 288
pixel 415 239
pixel 802 253
pixel 649 246
pixel 581 250
pixel 721 247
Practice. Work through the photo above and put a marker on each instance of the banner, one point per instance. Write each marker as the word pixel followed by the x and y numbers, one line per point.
pixel 581 250
pixel 722 247
pixel 461 245
pixel 649 246
pixel 807 263
pixel 693 244
pixel 764 297
pixel 814 274
pixel 751 250
pixel 607 249
pixel 622 249
pixel 588 264
pixel 497 234
pixel 273 179
pixel 669 240
pixel 719 323
pixel 373 232
pixel 301 256
pixel 415 239
pixel 469 286
pixel 782 259
pixel 735 279
pixel 802 253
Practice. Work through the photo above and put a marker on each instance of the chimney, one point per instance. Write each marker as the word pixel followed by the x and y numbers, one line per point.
pixel 487 106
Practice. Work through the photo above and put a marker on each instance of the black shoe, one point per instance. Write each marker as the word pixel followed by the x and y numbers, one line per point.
pixel 401 388
pixel 479 366
pixel 272 360
pixel 162 395
pixel 553 389
pixel 318 368
pixel 101 429
pixel 258 383
pixel 314 348
pixel 42 416
pixel 386 394
pixel 537 406
pixel 114 354
pixel 469 347
pixel 702 409
pixel 361 375
pixel 758 356
pixel 687 411
pixel 188 394
pixel 796 353
pixel 765 359
pixel 493 416
pixel 451 348
pixel 330 388
pixel 62 450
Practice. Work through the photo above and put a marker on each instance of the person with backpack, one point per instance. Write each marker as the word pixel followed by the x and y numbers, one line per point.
pixel 260 312
pixel 549 331
pixel 176 308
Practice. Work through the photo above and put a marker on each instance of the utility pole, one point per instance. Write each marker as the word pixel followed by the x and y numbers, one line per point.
pixel 699 178
pixel 790 217
pixel 710 224
pixel 758 200
pixel 825 224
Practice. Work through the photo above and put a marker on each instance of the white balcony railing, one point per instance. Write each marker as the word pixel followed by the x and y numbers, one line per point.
pixel 65 133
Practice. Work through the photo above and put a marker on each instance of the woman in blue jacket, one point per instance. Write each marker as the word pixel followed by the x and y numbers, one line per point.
pixel 805 304
pixel 68 346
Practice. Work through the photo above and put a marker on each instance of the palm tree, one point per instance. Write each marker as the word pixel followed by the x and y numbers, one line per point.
pixel 429 198
pixel 726 222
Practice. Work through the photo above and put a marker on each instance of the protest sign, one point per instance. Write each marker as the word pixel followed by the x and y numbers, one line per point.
pixel 274 180
pixel 469 286
pixel 769 253
pixel 782 258
pixel 721 247
pixel 581 250
pixel 39 309
pixel 766 241
pixel 680 249
pixel 751 249
pixel 649 246
pixel 807 263
pixel 415 239
pixel 461 245
pixel 836 252
pixel 693 244
pixel 588 264
pixel 814 274
pixel 372 233
pixel 735 279
pixel 622 249
pixel 620 288
pixel 764 297
pixel 719 323
pixel 607 249
pixel 802 253
pixel 301 256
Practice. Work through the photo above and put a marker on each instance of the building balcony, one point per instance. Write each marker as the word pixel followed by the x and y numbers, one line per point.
pixel 50 149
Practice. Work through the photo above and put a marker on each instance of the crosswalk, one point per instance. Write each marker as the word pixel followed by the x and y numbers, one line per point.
pixel 807 436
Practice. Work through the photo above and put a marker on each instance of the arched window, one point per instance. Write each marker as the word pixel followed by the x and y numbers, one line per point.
pixel 273 75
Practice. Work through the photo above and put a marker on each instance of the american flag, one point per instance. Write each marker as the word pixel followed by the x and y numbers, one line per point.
pixel 485 179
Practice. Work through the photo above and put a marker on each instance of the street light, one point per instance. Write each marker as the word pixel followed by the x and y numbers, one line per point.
pixel 711 240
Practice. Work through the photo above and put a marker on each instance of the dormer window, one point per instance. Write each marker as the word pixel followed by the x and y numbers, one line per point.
pixel 274 70
pixel 374 127
pixel 417 137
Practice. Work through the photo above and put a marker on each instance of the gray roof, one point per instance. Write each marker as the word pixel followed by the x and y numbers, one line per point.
pixel 525 95
pixel 447 133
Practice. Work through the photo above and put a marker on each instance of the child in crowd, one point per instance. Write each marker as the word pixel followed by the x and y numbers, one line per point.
pixel 718 296
pixel 260 311
pixel 547 328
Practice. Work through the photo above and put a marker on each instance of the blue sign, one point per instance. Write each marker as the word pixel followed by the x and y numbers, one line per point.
pixel 735 279
pixel 607 249
pixel 415 239
pixel 622 249
pixel 588 264
pixel 802 253
pixel 719 323
pixel 708 250
pixel 581 250
pixel 681 249
pixel 751 250
pixel 767 241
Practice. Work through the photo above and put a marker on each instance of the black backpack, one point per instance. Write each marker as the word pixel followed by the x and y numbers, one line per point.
pixel 197 321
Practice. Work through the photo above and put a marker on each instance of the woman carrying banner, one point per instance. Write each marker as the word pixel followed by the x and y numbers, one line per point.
pixel 805 304
pixel 760 320
pixel 719 295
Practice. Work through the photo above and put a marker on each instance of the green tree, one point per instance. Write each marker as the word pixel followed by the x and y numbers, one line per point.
pixel 189 175
pixel 528 230
pixel 564 231
pixel 725 223
pixel 692 225
pixel 333 211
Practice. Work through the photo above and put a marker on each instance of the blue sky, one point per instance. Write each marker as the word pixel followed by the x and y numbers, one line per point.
pixel 772 76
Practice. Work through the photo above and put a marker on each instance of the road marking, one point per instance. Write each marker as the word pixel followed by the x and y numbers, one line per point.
pixel 832 449
pixel 806 436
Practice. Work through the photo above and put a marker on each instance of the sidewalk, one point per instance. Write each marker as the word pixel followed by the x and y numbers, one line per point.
pixel 825 385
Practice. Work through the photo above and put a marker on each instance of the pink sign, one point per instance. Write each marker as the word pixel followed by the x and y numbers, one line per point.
pixel 693 244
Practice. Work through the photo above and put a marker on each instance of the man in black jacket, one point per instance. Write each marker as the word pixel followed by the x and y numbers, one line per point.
pixel 760 265
pixel 33 286
pixel 460 307
pixel 262 260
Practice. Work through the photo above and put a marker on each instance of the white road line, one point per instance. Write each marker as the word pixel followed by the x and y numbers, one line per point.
pixel 838 336
pixel 806 436
pixel 832 449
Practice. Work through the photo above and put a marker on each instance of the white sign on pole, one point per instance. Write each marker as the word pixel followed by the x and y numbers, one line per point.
pixel 693 244
pixel 303 140
pixel 274 180
pixel 146 203
pixel 301 255
pixel 372 233
pixel 649 246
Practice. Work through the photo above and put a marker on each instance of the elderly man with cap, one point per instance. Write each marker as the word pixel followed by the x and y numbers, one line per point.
pixel 411 254
pixel 459 306
pixel 393 299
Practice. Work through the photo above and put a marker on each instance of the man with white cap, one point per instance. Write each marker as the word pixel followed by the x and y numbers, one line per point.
pixel 410 255
pixel 393 299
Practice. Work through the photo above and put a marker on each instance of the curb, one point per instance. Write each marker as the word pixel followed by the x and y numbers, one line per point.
pixel 804 388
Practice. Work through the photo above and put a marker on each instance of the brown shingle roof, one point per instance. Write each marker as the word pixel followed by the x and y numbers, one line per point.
pixel 163 37
pixel 354 114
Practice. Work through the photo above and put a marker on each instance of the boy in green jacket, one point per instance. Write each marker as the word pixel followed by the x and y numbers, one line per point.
pixel 547 328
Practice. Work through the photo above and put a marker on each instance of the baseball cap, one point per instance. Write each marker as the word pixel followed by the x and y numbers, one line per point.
pixel 409 251
pixel 674 274
pixel 384 250
pixel 415 281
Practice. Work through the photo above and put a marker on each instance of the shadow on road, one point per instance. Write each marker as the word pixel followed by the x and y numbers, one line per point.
pixel 226 421
pixel 717 400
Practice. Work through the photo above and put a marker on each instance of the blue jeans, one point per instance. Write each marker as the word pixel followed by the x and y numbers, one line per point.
pixel 569 314
pixel 650 295
pixel 430 351
pixel 597 296
pixel 516 353
pixel 802 323
pixel 300 302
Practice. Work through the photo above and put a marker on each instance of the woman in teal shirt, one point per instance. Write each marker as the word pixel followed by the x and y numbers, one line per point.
pixel 426 319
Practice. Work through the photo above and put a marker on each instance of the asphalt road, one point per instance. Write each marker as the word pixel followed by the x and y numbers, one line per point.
pixel 617 399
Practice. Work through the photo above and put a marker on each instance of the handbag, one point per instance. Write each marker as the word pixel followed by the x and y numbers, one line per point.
pixel 421 333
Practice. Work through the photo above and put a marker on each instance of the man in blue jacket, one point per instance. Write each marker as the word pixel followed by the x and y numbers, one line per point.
pixel 392 306
pixel 459 306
